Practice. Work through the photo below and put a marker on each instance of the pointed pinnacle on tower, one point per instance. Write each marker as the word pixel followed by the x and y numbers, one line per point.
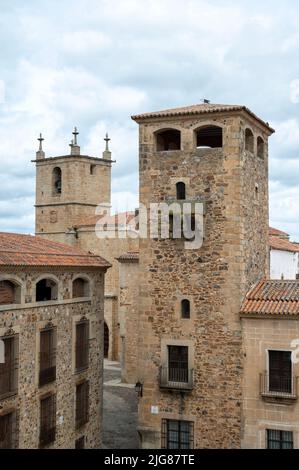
pixel 107 153
pixel 40 153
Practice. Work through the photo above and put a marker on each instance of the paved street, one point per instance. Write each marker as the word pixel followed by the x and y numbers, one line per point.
pixel 120 411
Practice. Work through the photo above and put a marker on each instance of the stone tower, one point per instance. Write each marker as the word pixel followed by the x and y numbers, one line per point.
pixel 190 348
pixel 69 188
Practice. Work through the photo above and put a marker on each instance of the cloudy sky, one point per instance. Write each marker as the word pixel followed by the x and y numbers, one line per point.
pixel 94 63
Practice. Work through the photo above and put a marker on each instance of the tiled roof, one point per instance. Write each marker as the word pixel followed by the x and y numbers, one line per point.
pixel 130 256
pixel 278 233
pixel 281 244
pixel 203 108
pixel 272 298
pixel 27 250
pixel 123 218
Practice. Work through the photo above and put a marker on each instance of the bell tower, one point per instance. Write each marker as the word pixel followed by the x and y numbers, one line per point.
pixel 69 188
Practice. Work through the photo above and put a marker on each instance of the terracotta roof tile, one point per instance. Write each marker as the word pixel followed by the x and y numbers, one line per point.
pixel 28 250
pixel 130 256
pixel 276 232
pixel 272 298
pixel 123 218
pixel 281 244
pixel 203 108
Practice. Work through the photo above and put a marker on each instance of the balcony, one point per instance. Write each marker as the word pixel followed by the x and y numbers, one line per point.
pixel 276 388
pixel 176 379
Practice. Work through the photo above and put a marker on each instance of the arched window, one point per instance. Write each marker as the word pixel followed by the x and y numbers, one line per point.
pixel 169 139
pixel 180 190
pixel 80 288
pixel 46 289
pixel 249 145
pixel 209 137
pixel 185 308
pixel 10 292
pixel 260 147
pixel 56 184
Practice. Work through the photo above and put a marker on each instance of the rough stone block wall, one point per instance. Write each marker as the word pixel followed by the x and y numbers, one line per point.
pixel 26 321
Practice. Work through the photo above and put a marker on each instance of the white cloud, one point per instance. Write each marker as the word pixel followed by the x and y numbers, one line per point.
pixel 2 91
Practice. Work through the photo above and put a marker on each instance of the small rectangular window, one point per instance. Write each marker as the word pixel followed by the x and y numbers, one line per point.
pixel 177 434
pixel 9 369
pixel 82 404
pixel 277 439
pixel 178 364
pixel 9 431
pixel 82 345
pixel 280 371
pixel 47 368
pixel 47 420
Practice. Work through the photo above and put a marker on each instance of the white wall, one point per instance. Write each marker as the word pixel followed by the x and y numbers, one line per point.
pixel 283 263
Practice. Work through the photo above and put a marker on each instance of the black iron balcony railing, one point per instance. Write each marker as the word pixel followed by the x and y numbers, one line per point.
pixel 176 378
pixel 278 387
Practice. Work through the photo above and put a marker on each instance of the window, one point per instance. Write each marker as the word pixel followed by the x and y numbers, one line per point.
pixel 177 434
pixel 46 289
pixel 92 169
pixel 178 363
pixel 168 140
pixel 185 308
pixel 180 190
pixel 280 371
pixel 260 147
pixel 47 356
pixel 56 181
pixel 82 345
pixel 82 404
pixel 106 340
pixel 9 369
pixel 249 143
pixel 10 293
pixel 80 288
pixel 279 439
pixel 9 431
pixel 47 420
pixel 209 137
pixel 80 443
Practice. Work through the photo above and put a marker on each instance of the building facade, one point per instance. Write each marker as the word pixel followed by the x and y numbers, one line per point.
pixel 73 194
pixel 190 339
pixel 51 344
pixel 284 256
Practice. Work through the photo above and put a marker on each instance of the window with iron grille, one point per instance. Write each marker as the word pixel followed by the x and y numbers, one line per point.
pixel 280 371
pixel 9 369
pixel 47 356
pixel 82 404
pixel 177 434
pixel 47 420
pixel 82 345
pixel 279 439
pixel 178 363
pixel 9 430
pixel 80 443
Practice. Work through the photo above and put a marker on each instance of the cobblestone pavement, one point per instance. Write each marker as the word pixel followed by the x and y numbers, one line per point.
pixel 120 411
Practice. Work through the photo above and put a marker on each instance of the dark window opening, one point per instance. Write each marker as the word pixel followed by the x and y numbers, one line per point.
pixel 185 308
pixel 46 289
pixel 180 190
pixel 92 169
pixel 82 345
pixel 280 371
pixel 168 140
pixel 47 356
pixel 177 434
pixel 279 439
pixel 80 288
pixel 9 369
pixel 80 443
pixel 47 420
pixel 178 364
pixel 249 141
pixel 9 431
pixel 260 147
pixel 82 404
pixel 57 184
pixel 209 137
pixel 106 340
pixel 10 293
